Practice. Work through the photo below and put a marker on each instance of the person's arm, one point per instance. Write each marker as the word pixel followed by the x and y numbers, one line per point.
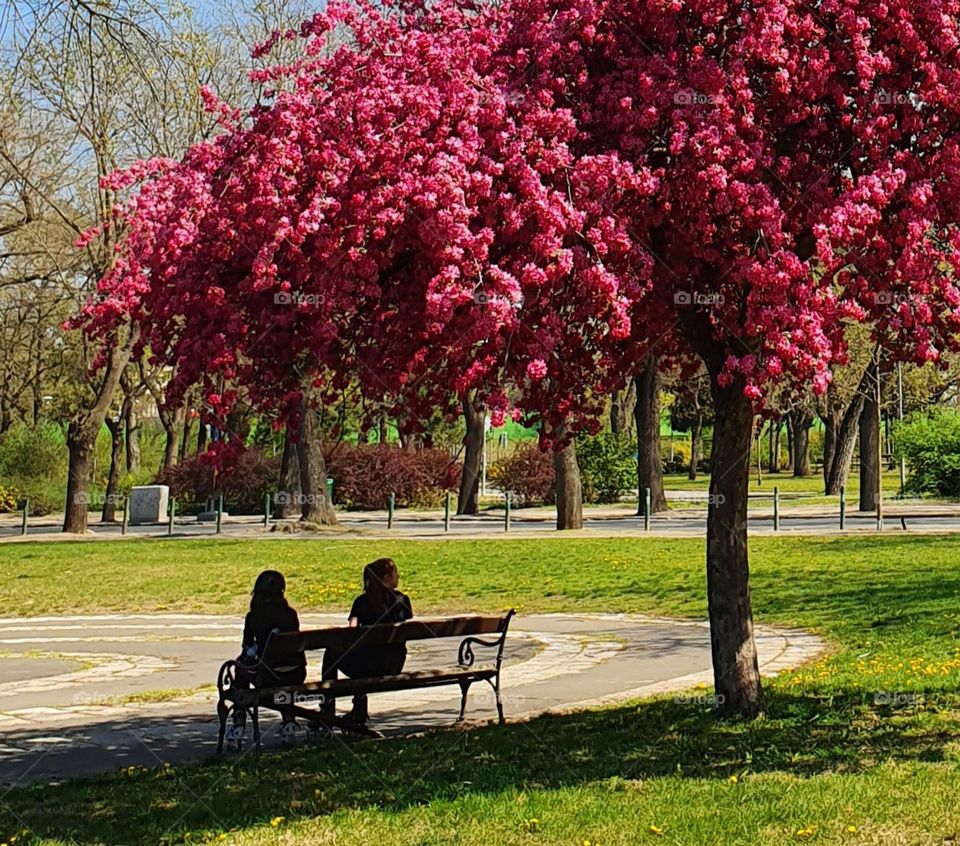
pixel 248 649
pixel 407 607
pixel 353 620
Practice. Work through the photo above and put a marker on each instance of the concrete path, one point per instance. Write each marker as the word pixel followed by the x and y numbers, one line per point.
pixel 601 521
pixel 79 695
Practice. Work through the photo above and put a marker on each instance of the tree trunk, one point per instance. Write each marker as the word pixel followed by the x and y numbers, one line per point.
pixel 383 430
pixel 171 428
pixel 846 439
pixel 316 506
pixel 185 439
pixel 286 504
pixel 202 433
pixel 695 446
pixel 569 494
pixel 474 416
pixel 789 443
pixel 735 667
pixel 622 407
pixel 82 438
pixel 132 424
pixel 647 416
pixel 109 513
pixel 831 420
pixel 869 444
pixel 775 426
pixel 802 421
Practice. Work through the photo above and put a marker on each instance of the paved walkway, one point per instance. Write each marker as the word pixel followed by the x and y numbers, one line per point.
pixel 78 695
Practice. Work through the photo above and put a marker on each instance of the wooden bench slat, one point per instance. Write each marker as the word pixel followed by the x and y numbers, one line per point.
pixel 347 637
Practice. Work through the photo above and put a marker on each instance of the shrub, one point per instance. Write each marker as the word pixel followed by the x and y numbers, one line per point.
pixel 365 475
pixel 10 499
pixel 38 453
pixel 931 445
pixel 608 466
pixel 527 473
pixel 244 485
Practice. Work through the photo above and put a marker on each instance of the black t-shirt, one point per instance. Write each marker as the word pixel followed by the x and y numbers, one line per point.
pixel 258 625
pixel 399 610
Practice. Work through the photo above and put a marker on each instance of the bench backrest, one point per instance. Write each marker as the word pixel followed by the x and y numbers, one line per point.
pixel 347 637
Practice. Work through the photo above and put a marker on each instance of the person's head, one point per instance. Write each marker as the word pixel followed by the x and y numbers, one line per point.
pixel 268 589
pixel 380 579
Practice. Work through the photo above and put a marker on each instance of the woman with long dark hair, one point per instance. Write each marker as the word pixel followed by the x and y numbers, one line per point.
pixel 269 612
pixel 380 602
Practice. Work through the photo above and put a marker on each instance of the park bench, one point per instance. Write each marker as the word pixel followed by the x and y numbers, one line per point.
pixel 295 698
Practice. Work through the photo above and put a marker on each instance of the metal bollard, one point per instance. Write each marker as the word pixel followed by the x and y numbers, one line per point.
pixel 266 511
pixel 843 507
pixel 391 504
pixel 171 515
pixel 646 509
pixel 776 508
pixel 506 512
pixel 219 511
pixel 126 515
pixel 26 511
pixel 446 513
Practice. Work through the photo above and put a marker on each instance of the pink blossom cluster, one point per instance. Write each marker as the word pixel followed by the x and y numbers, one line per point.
pixel 528 198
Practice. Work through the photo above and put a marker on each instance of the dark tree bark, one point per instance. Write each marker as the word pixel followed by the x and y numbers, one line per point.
pixel 316 506
pixel 287 502
pixel 171 422
pixel 82 438
pixel 831 421
pixel 775 427
pixel 569 494
pixel 647 416
pixel 789 423
pixel 802 421
pixel 383 430
pixel 109 512
pixel 185 438
pixel 869 444
pixel 846 439
pixel 735 667
pixel 622 407
pixel 131 422
pixel 202 433
pixel 473 415
pixel 695 444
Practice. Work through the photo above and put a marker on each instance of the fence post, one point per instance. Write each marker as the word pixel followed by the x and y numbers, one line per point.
pixel 126 514
pixel 843 507
pixel 172 512
pixel 646 509
pixel 446 513
pixel 219 511
pixel 776 508
pixel 506 512
pixel 26 511
pixel 266 511
pixel 391 504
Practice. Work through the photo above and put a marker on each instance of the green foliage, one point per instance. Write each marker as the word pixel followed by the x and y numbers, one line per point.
pixel 930 442
pixel 34 463
pixel 10 499
pixel 608 466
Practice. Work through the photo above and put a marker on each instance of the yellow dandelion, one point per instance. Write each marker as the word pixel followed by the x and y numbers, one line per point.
pixel 276 821
pixel 734 778
pixel 852 829
pixel 655 830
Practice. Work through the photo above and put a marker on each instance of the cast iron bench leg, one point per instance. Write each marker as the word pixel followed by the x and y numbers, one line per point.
pixel 223 712
pixel 464 688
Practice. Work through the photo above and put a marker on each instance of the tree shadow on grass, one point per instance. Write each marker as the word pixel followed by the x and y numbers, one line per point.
pixel 802 736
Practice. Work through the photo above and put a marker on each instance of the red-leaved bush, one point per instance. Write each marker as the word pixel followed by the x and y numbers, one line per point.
pixel 527 474
pixel 245 484
pixel 365 476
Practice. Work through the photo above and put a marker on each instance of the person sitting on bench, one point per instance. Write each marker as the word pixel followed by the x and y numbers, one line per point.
pixel 380 602
pixel 269 612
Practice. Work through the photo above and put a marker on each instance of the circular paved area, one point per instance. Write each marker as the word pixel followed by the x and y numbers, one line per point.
pixel 80 695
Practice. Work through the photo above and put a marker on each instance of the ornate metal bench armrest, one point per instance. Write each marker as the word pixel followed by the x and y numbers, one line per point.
pixel 465 656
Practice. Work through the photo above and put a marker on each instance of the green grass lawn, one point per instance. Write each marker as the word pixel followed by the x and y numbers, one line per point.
pixel 828 764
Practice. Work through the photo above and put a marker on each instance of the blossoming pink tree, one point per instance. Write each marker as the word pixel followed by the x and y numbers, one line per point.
pixel 526 200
